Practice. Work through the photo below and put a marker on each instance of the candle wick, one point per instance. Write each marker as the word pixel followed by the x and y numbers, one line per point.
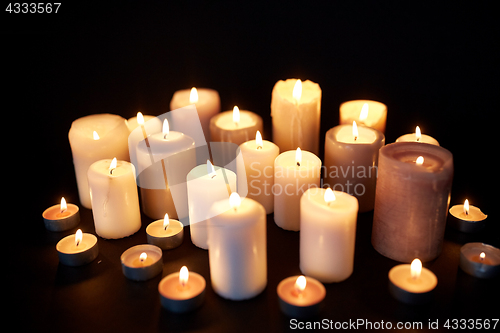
pixel 259 147
pixel 213 176
pixel 418 139
pixel 165 137
pixel 77 243
pixel 355 138
pixel 111 171
pixel 298 163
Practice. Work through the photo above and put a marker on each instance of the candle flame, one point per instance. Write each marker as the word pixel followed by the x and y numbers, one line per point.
pixel 418 134
pixel 466 207
pixel 297 90
pixel 482 256
pixel 165 129
pixel 193 96
pixel 364 112
pixel 420 160
pixel 63 206
pixel 300 284
pixel 140 118
pixel 210 169
pixel 143 256
pixel 112 166
pixel 355 133
pixel 258 140
pixel 95 135
pixel 236 115
pixel 183 276
pixel 166 221
pixel 298 156
pixel 78 237
pixel 234 200
pixel 416 268
pixel 329 196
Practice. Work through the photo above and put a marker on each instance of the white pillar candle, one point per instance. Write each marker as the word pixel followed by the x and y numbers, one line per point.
pixel 418 137
pixel 115 203
pixel 256 171
pixel 295 171
pixel 94 138
pixel 237 251
pixel 206 184
pixel 351 161
pixel 165 159
pixel 327 234
pixel 296 117
pixel 365 112
pixel 207 103
pixel 236 126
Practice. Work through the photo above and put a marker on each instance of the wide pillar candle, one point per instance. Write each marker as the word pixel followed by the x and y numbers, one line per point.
pixel 93 138
pixel 364 112
pixel 351 162
pixel 115 202
pixel 291 179
pixel 327 234
pixel 296 120
pixel 411 201
pixel 237 251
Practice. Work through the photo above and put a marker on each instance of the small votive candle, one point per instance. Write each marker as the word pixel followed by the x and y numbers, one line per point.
pixel 142 262
pixel 300 296
pixel 61 217
pixel 412 284
pixel 78 249
pixel 467 218
pixel 182 291
pixel 166 234
pixel 480 260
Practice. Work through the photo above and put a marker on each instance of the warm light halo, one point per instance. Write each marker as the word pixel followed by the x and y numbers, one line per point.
pixel 166 221
pixel 364 112
pixel 355 132
pixel 329 196
pixel 466 207
pixel 297 90
pixel 420 160
pixel 112 165
pixel 183 276
pixel 236 115
pixel 193 96
pixel 298 156
pixel 95 135
pixel 165 128
pixel 78 237
pixel 418 134
pixel 143 256
pixel 63 206
pixel 416 269
pixel 300 284
pixel 482 255
pixel 234 200
pixel 258 140
pixel 140 118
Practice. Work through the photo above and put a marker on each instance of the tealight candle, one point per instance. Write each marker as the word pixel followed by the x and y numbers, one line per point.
pixel 480 260
pixel 78 249
pixel 412 284
pixel 467 218
pixel 166 234
pixel 182 291
pixel 236 126
pixel 418 137
pixel 61 217
pixel 300 296
pixel 142 262
pixel 365 112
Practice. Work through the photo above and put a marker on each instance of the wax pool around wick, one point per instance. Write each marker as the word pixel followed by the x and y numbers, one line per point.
pixel 55 220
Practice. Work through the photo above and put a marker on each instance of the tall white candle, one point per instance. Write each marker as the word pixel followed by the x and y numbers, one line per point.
pixel 237 251
pixel 115 203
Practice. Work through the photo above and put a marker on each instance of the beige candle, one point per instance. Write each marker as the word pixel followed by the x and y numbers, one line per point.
pixel 412 284
pixel 418 137
pixel 365 112
pixel 236 126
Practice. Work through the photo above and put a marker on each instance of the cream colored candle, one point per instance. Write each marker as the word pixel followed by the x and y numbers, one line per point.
pixel 365 112
pixel 182 291
pixel 296 116
pixel 237 250
pixel 78 249
pixel 166 233
pixel 236 126
pixel 467 218
pixel 418 137
pixel 206 184
pixel 351 161
pixel 256 171
pixel 295 171
pixel 327 234
pixel 115 203
pixel 94 138
pixel 300 296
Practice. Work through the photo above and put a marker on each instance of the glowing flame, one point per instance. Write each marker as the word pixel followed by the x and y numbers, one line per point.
pixel 210 169
pixel 329 196
pixel 364 112
pixel 166 221
pixel 418 134
pixel 236 115
pixel 234 200
pixel 466 207
pixel 258 140
pixel 63 206
pixel 298 156
pixel 297 90
pixel 300 284
pixel 183 276
pixel 112 166
pixel 482 256
pixel 420 160
pixel 193 96
pixel 95 135
pixel 78 237
pixel 140 118
pixel 143 256
pixel 165 129
pixel 416 268
pixel 355 133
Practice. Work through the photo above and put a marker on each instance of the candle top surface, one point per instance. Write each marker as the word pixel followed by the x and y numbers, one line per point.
pixel 310 90
pixel 287 160
pixel 159 144
pixel 131 257
pixel 67 244
pixel 54 212
pixel 102 167
pixel 475 214
pixel 412 137
pixel 132 123
pixel 225 121
pixel 400 276
pixel 205 96
pixel 313 293
pixel 366 135
pixel 201 172
pixel 156 228
pixel 169 286
pixel 249 211
pixel 103 124
pixel 352 110
pixel 472 251
pixel 343 202
pixel 252 146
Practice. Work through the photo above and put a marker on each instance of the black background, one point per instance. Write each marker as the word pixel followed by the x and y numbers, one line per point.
pixel 435 66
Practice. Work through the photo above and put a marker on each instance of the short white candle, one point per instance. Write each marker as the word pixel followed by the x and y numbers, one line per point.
pixel 413 283
pixel 236 126
pixel 78 249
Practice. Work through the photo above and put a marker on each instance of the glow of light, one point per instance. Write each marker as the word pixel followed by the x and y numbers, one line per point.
pixel 183 276
pixel 63 206
pixel 236 115
pixel 143 256
pixel 298 156
pixel 258 140
pixel 193 96
pixel 300 284
pixel 416 268
pixel 466 207
pixel 165 129
pixel 112 166
pixel 234 200
pixel 140 118
pixel 95 135
pixel 166 221
pixel 297 90
pixel 329 196
pixel 420 160
pixel 78 237
pixel 418 134
pixel 364 112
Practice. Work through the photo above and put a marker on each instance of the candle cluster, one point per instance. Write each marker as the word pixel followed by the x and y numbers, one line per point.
pixel 406 183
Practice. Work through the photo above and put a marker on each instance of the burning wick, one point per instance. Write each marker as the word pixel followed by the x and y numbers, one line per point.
pixel 482 256
pixel 143 256
pixel 166 222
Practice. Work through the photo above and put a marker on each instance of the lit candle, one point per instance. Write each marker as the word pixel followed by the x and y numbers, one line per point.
pixel 294 172
pixel 139 121
pixel 467 218
pixel 61 217
pixel 165 159
pixel 142 262
pixel 418 137
pixel 327 234
pixel 237 248
pixel 256 170
pixel 140 128
pixel 166 233
pixel 207 102
pixel 365 112
pixel 480 260
pixel 115 203
pixel 296 113
pixel 411 201
pixel 351 158
pixel 206 184
pixel 182 291
pixel 236 126
pixel 78 249
pixel 93 138
pixel 412 284
pixel 300 296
